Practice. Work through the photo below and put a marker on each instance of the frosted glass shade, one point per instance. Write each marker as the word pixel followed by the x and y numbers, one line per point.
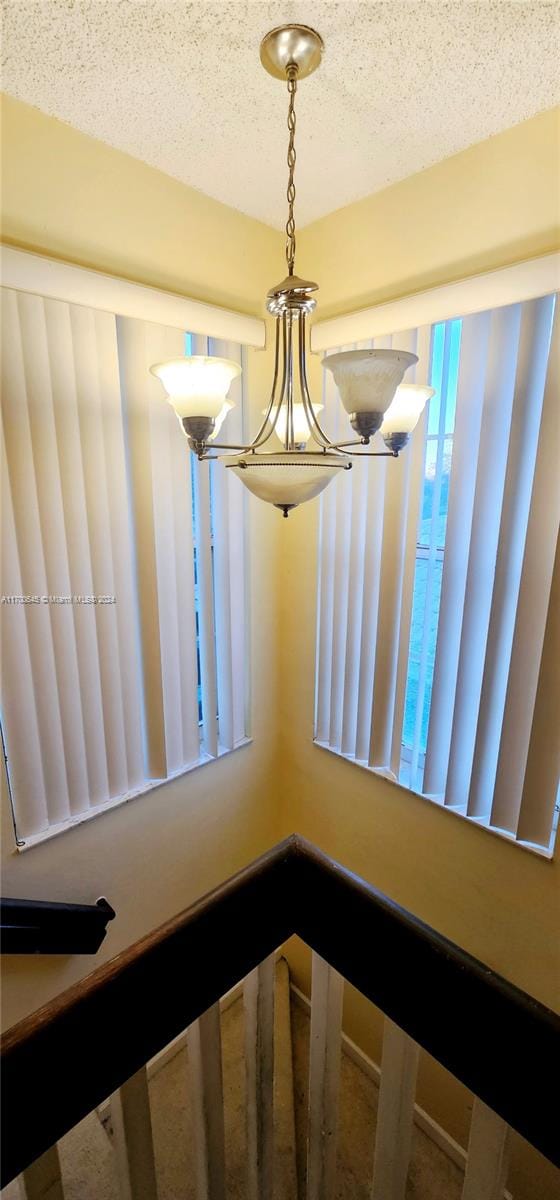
pixel 197 385
pixel 219 420
pixel 302 431
pixel 367 379
pixel 289 478
pixel 405 410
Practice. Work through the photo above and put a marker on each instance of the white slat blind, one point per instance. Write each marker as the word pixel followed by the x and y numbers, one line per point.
pixel 161 504
pixel 396 542
pixel 466 440
pixel 99 700
pixel 496 627
pixel 368 546
pixel 228 506
pixel 65 535
pixel 493 451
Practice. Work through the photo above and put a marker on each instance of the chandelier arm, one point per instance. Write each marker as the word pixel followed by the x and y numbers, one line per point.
pixel 318 434
pixel 373 453
pixel 262 435
pixel 259 439
pixel 355 442
pixel 290 396
pixel 289 435
pixel 263 425
pixel 204 457
pixel 282 392
pixel 316 431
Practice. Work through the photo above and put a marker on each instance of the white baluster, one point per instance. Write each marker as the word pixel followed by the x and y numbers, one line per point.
pixel 204 1044
pixel 42 1180
pixel 259 1059
pixel 488 1155
pixel 132 1132
pixel 395 1114
pixel 324 1079
pixel 285 1166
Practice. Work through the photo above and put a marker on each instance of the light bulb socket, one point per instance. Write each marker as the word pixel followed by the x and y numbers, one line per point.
pixel 198 430
pixel 395 442
pixel 366 423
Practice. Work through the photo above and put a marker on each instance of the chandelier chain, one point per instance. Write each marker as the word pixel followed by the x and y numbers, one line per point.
pixel 291 192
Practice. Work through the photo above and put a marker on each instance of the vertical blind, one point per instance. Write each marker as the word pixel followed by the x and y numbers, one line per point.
pixel 492 749
pixel 220 534
pixel 100 546
pixel 368 542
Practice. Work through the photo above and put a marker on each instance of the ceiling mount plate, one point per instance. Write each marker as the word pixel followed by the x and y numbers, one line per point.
pixel 291 45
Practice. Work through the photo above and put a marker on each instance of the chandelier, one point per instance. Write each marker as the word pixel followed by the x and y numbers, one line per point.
pixel 369 381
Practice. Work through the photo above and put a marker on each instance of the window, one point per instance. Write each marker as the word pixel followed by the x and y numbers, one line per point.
pixel 438 578
pixel 430 550
pixel 123 621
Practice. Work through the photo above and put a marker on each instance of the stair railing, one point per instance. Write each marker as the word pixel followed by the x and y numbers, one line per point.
pixel 94 1040
pixel 48 927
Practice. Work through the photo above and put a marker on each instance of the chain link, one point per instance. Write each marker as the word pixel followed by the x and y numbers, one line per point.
pixel 291 192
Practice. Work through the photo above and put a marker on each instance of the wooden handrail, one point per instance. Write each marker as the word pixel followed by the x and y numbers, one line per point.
pixel 494 1037
pixel 49 927
pixel 63 1060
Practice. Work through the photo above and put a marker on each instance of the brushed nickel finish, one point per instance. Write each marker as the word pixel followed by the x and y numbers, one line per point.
pixel 395 442
pixel 293 294
pixel 198 429
pixel 366 423
pixel 290 53
pixel 291 46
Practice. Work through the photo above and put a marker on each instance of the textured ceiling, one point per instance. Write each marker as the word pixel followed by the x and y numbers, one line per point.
pixel 403 85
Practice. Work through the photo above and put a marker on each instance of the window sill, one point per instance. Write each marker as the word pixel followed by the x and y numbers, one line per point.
pixel 80 818
pixel 503 834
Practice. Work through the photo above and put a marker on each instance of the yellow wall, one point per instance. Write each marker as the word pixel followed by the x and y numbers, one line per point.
pixel 67 195
pixel 494 203
pixel 75 198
